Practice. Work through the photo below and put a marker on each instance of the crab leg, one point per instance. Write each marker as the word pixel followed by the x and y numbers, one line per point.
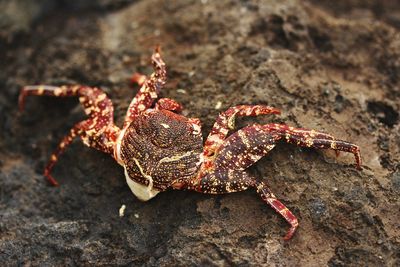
pixel 67 140
pixel 224 173
pixel 162 103
pixel 228 181
pixel 226 122
pixel 313 139
pixel 270 198
pixel 149 90
pixel 168 104
pixel 246 146
pixel 98 131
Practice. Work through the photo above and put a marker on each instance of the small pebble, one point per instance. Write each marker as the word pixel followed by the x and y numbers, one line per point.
pixel 218 105
pixel 122 211
pixel 181 91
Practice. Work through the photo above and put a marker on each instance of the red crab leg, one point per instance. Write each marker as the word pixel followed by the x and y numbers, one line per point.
pixel 224 173
pixel 149 90
pixel 246 146
pixel 229 181
pixel 168 104
pixel 313 139
pixel 162 103
pixel 98 131
pixel 270 198
pixel 226 122
pixel 76 130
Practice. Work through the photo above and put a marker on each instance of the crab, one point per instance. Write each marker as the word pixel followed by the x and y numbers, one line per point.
pixel 161 149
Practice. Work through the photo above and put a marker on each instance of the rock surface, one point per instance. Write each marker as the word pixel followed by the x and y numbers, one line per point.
pixel 335 68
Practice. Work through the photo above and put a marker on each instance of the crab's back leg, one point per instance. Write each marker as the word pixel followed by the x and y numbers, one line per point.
pixel 224 172
pixel 226 122
pixel 75 131
pixel 246 146
pixel 269 197
pixel 149 89
pixel 313 139
pixel 228 181
pixel 98 131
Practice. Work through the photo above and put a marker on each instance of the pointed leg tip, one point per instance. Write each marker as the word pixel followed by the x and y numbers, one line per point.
pixel 21 101
pixel 53 183
pixel 275 111
pixel 290 233
pixel 271 110
pixel 51 180
pixel 20 108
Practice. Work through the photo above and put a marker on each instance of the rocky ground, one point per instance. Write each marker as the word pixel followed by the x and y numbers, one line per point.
pixel 335 68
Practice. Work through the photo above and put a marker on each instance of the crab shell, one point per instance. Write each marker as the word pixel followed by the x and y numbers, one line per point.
pixel 157 149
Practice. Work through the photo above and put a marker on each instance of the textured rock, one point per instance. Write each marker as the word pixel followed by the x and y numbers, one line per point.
pixel 330 67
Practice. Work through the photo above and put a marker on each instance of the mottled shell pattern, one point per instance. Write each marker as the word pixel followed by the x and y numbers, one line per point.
pixel 159 147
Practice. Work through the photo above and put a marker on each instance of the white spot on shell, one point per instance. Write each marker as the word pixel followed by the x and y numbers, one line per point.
pixel 165 125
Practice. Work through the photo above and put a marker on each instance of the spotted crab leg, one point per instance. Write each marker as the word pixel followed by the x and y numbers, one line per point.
pixel 67 140
pixel 162 103
pixel 168 104
pixel 149 90
pixel 222 181
pixel 225 172
pixel 269 197
pixel 98 131
pixel 226 122
pixel 313 139
pixel 246 146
